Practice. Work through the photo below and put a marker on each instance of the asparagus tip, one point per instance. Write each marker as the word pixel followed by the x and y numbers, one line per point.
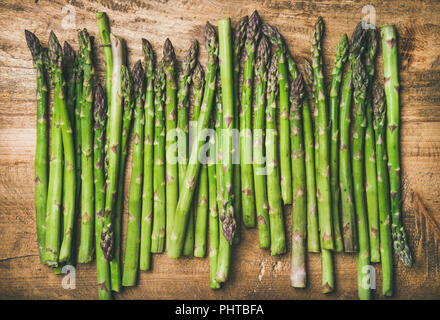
pixel 190 59
pixel 69 53
pixel 198 76
pixel 263 52
pixel 138 77
pixel 33 43
pixel 272 33
pixel 168 51
pixel 253 26
pixel 357 40
pixel 297 89
pixel 148 52
pixel 99 108
pixel 318 31
pixel 308 70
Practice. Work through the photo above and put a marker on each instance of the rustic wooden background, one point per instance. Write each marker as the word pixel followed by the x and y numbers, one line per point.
pixel 255 274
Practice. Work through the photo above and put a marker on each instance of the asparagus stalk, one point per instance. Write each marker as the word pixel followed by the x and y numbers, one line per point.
pixel 227 211
pixel 323 165
pixel 171 168
pixel 197 92
pixel 182 125
pixel 54 191
pixel 283 83
pixel 77 124
pixel 309 157
pixel 340 59
pixel 56 61
pixel 68 236
pixel 391 84
pixel 202 192
pixel 219 147
pixel 247 185
pixel 102 266
pixel 262 206
pixel 213 213
pixel 299 206
pixel 345 171
pixel 147 187
pixel 276 219
pixel 360 83
pixel 86 248
pixel 114 143
pixel 158 234
pixel 186 194
pixel 133 237
pixel 370 152
pixel 127 94
pixel 383 187
pixel 41 156
pixel 327 268
pixel 239 36
pixel 104 34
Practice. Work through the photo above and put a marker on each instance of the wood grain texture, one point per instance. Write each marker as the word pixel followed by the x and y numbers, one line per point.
pixel 255 274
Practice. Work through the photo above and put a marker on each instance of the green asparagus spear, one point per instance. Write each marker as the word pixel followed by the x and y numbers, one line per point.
pixel 213 213
pixel 202 192
pixel 309 157
pixel 219 147
pixel 114 143
pixel 391 83
pixel 340 59
pixel 172 178
pixel 41 156
pixel 77 125
pixel 284 137
pixel 159 214
pixel 133 236
pixel 182 126
pixel 383 192
pixel 86 247
pixel 239 36
pixel 360 84
pixel 370 152
pixel 197 93
pixel 186 195
pixel 327 268
pixel 323 165
pixel 102 265
pixel 345 173
pixel 247 185
pixel 262 206
pixel 299 206
pixel 147 191
pixel 54 191
pixel 104 34
pixel 68 226
pixel 127 94
pixel 276 218
pixel 56 61
pixel 227 219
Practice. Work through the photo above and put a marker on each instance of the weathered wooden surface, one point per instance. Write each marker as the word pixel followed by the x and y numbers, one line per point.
pixel 255 274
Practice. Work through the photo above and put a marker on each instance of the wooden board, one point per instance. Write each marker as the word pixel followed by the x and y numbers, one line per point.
pixel 255 274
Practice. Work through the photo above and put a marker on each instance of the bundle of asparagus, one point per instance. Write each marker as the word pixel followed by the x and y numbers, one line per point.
pixel 306 165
